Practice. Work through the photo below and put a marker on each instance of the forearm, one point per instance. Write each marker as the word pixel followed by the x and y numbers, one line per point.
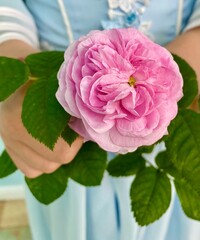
pixel 16 49
pixel 187 46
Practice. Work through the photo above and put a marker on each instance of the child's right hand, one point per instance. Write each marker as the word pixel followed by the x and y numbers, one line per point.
pixel 29 155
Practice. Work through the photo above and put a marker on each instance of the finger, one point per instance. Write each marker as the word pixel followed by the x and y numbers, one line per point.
pixel 14 101
pixel 28 171
pixel 62 153
pixel 33 159
pixel 65 153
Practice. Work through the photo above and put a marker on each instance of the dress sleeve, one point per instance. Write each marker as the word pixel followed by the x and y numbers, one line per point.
pixel 194 20
pixel 16 22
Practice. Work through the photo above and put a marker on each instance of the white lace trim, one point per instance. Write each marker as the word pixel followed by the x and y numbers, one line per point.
pixel 127 13
pixel 117 9
pixel 126 5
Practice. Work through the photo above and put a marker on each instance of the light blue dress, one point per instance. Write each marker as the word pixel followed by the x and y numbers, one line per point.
pixel 103 212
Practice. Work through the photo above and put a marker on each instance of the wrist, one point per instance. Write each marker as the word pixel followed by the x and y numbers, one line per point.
pixel 16 49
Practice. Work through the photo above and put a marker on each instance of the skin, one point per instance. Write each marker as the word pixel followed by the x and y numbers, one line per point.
pixel 32 157
pixel 187 46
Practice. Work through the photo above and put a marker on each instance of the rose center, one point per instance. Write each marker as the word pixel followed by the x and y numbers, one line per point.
pixel 131 81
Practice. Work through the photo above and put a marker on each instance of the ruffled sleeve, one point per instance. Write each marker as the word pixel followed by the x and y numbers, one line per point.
pixel 17 23
pixel 194 20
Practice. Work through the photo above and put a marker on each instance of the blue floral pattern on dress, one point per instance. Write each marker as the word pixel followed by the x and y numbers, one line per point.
pixel 127 13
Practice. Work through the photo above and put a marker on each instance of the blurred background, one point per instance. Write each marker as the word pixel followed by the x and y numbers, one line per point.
pixel 13 215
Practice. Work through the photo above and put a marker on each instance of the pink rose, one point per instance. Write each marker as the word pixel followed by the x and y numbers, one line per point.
pixel 121 89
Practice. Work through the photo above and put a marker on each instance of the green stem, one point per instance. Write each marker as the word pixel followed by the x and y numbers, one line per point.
pixel 31 78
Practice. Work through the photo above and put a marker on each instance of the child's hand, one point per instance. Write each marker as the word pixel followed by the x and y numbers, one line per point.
pixel 30 156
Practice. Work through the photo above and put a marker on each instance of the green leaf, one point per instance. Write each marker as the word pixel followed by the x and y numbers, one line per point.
pixel 150 195
pixel 89 165
pixel 43 64
pixel 189 198
pixel 42 115
pixel 183 145
pixel 69 135
pixel 48 187
pixel 145 149
pixel 126 165
pixel 182 160
pixel 7 166
pixel 190 88
pixel 187 188
pixel 162 160
pixel 164 163
pixel 13 74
